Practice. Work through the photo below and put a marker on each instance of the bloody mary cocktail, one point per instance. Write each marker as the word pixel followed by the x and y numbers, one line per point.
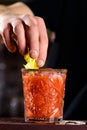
pixel 44 92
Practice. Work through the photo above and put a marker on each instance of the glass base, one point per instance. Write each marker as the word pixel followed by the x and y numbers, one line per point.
pixel 44 121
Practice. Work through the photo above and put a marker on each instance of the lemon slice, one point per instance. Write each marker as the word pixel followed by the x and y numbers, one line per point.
pixel 31 62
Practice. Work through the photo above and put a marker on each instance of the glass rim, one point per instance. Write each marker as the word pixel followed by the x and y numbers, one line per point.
pixel 61 70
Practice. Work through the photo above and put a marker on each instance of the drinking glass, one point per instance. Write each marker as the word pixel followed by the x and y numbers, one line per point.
pixel 44 92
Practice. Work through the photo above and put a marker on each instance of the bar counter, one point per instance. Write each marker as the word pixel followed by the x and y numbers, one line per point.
pixel 19 124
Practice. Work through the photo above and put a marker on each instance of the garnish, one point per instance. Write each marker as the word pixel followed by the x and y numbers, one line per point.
pixel 31 62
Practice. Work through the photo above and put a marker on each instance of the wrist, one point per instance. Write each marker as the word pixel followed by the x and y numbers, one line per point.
pixel 20 8
pixel 4 9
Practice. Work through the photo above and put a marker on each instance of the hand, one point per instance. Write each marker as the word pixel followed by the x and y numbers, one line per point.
pixel 25 32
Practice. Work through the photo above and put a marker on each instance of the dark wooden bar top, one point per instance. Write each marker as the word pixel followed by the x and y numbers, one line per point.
pixel 20 124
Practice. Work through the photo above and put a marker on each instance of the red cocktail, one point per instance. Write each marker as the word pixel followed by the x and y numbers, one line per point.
pixel 44 92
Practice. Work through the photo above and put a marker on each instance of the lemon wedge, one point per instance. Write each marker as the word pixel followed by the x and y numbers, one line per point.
pixel 31 62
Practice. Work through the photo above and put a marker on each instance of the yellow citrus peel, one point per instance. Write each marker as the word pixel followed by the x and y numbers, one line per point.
pixel 31 62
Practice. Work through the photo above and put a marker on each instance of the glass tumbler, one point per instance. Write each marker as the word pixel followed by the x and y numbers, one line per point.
pixel 44 92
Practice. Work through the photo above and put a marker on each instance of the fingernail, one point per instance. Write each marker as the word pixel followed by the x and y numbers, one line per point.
pixel 33 53
pixel 40 63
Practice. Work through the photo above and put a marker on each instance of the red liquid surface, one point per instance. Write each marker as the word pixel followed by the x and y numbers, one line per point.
pixel 44 93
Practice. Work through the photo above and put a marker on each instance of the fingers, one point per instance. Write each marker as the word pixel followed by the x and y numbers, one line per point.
pixel 32 37
pixel 27 35
pixel 37 39
pixel 30 32
pixel 34 31
pixel 19 31
pixel 43 42
pixel 7 39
